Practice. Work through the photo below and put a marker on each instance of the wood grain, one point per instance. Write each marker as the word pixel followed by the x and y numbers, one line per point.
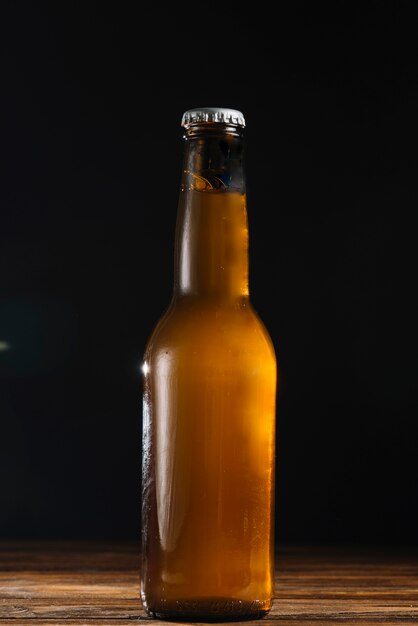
pixel 63 583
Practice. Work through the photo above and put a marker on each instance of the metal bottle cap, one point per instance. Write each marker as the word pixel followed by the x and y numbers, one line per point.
pixel 217 115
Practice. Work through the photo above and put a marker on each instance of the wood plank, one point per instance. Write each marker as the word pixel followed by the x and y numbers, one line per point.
pixel 369 609
pixel 98 583
pixel 264 622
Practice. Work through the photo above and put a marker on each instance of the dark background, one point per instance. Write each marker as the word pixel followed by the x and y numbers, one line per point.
pixel 92 95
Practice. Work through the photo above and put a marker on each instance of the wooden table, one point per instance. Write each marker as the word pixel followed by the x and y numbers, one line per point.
pixel 68 583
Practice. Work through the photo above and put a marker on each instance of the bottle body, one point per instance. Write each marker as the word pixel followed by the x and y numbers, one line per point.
pixel 209 393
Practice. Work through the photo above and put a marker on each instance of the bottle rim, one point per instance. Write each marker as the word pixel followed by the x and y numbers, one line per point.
pixel 213 115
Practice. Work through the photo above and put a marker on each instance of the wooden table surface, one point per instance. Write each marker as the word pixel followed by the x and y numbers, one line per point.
pixel 75 583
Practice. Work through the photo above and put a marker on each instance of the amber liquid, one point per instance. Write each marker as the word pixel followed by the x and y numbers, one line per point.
pixel 209 429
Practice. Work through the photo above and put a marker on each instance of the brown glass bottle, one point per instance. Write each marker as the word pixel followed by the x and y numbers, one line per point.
pixel 209 402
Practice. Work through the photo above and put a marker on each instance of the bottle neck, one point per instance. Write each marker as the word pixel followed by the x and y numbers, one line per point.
pixel 211 248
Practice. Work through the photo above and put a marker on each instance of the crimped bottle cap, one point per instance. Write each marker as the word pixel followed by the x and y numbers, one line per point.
pixel 216 115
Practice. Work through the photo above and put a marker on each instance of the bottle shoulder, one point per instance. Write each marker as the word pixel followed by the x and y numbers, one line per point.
pixel 190 326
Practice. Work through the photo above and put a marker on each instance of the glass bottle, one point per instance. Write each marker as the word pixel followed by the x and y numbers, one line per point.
pixel 209 402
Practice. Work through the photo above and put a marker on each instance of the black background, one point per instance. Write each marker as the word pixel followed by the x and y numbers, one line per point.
pixel 91 100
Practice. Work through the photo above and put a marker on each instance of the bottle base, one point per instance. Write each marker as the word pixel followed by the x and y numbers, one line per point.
pixel 209 610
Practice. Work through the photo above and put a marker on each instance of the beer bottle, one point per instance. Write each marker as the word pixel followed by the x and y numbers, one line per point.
pixel 209 402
